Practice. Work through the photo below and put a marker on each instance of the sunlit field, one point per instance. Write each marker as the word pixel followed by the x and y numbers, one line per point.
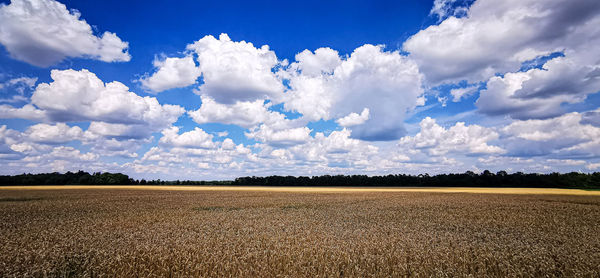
pixel 489 190
pixel 306 232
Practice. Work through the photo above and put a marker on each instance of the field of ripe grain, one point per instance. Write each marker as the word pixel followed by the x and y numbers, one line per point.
pixel 261 233
pixel 483 190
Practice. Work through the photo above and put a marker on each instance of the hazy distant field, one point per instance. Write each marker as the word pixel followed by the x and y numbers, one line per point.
pixel 486 190
pixel 244 232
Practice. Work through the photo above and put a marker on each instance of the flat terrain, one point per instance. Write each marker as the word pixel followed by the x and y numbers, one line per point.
pixel 237 231
pixel 485 190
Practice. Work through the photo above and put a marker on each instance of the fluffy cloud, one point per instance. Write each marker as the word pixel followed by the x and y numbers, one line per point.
pixel 354 119
pixel 502 37
pixel 81 95
pixel 36 148
pixel 564 136
pixel 40 139
pixel 341 142
pixel 8 138
pixel 566 127
pixel 323 60
pixel 280 138
pixel 28 112
pixel 539 93
pixel 320 154
pixel 242 113
pixel 77 96
pixel 172 73
pixel 386 83
pixel 44 32
pixel 70 154
pixel 192 154
pixel 236 71
pixel 337 150
pixel 498 37
pixel 98 130
pixel 121 147
pixel 437 140
pixel 196 138
pixel 59 159
pixel 53 134
pixel 499 99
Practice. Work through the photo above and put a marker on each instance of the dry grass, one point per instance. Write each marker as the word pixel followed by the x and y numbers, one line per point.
pixel 479 190
pixel 131 233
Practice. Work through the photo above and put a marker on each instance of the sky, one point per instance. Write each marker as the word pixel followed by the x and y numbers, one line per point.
pixel 215 90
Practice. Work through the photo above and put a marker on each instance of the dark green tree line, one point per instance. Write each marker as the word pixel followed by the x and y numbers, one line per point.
pixel 467 179
pixel 68 178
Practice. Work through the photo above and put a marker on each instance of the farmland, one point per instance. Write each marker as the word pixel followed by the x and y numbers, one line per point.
pixel 243 231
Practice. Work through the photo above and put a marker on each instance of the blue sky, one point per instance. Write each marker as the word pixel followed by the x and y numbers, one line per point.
pixel 204 90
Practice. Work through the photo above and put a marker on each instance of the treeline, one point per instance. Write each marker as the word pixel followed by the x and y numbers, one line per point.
pixel 468 179
pixel 85 178
pixel 68 178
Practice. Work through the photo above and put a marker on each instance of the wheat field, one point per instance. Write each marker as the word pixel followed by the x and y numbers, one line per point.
pixel 481 190
pixel 127 232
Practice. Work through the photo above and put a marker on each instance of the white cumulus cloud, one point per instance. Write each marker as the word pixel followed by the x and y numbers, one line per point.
pixel 564 136
pixel 437 140
pixel 79 96
pixel 53 134
pixel 353 119
pixel 280 137
pixel 44 32
pixel 171 73
pixel 242 113
pixel 28 112
pixel 497 36
pixel 387 83
pixel 540 93
pixel 236 71
pixel 196 138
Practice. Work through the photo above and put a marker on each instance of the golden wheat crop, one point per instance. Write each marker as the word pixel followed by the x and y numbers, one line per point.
pixel 246 233
pixel 478 190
